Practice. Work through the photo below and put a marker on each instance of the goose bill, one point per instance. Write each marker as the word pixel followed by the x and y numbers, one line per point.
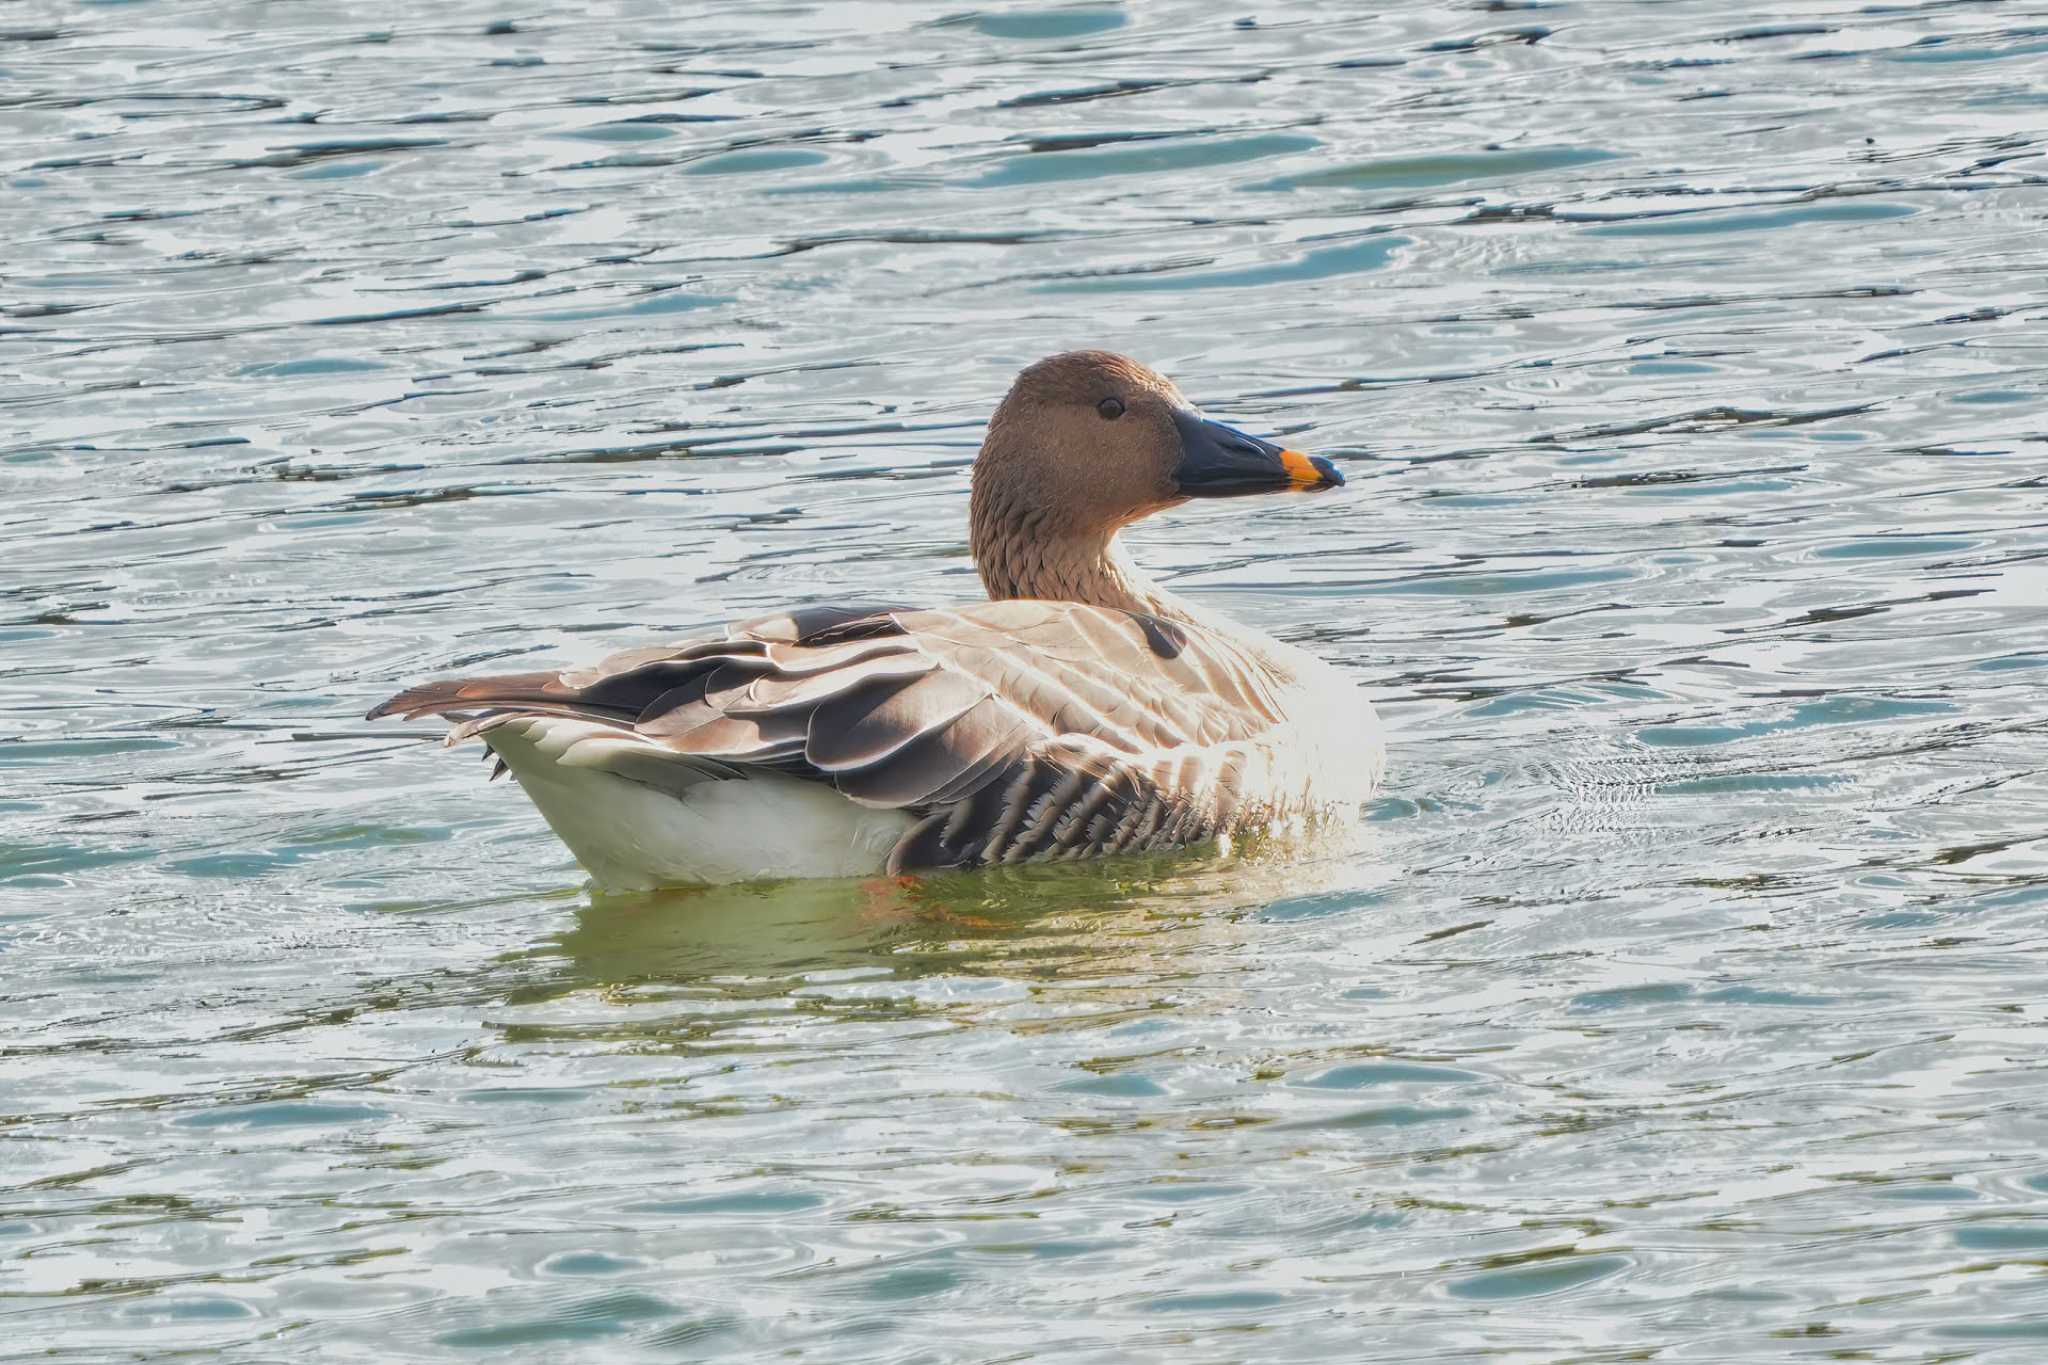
pixel 1217 461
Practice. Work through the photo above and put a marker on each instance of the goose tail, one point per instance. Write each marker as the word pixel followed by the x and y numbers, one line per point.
pixel 542 693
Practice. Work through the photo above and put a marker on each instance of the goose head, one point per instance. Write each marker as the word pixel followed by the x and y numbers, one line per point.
pixel 1096 440
pixel 1087 442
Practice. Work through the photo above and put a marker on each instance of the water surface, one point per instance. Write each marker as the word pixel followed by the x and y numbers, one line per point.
pixel 1689 364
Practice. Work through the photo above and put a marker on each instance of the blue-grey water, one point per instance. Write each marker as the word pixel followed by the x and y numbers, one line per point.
pixel 1689 362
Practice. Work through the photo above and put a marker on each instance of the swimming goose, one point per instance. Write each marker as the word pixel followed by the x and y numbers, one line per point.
pixel 1080 711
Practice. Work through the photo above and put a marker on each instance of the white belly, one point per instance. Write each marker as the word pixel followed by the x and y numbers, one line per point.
pixel 632 836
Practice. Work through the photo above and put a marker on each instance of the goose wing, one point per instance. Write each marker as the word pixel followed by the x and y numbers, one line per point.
pixel 1013 729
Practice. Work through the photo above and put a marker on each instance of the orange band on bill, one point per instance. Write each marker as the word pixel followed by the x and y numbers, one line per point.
pixel 1300 472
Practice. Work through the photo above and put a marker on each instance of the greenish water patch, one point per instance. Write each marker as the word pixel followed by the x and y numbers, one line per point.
pixel 1380 1116
pixel 1729 220
pixel 23 753
pixel 901 1284
pixel 338 170
pixel 1737 784
pixel 855 184
pixel 1366 254
pixel 755 162
pixel 1447 168
pixel 189 1308
pixel 535 1094
pixel 628 130
pixel 1756 995
pixel 1050 23
pixel 53 862
pixel 2016 1329
pixel 1320 906
pixel 1127 1085
pixel 1895 547
pixel 1946 50
pixel 237 864
pixel 316 365
pixel 750 1202
pixel 1224 1301
pixel 1485 500
pixel 1709 489
pixel 659 304
pixel 1926 1194
pixel 2029 1235
pixel 1499 584
pixel 2036 894
pixel 283 1114
pixel 1184 1191
pixel 1633 997
pixel 1047 1250
pixel 1143 157
pixel 1550 699
pixel 583 1320
pixel 1550 1276
pixel 590 1263
pixel 1363 1074
pixel 231 866
pixel 1836 710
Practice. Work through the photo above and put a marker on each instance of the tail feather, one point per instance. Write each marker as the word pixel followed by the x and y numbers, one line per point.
pixel 545 692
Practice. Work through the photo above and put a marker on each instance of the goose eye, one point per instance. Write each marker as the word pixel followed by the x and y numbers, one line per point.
pixel 1110 408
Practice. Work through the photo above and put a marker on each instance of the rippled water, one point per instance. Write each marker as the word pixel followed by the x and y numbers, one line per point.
pixel 1689 363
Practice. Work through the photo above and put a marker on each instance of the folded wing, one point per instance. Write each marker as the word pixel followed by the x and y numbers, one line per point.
pixel 1012 730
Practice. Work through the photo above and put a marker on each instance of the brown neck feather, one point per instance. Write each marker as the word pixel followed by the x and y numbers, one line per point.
pixel 1020 553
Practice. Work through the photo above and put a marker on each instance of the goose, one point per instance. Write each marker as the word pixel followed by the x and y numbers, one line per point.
pixel 1082 710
